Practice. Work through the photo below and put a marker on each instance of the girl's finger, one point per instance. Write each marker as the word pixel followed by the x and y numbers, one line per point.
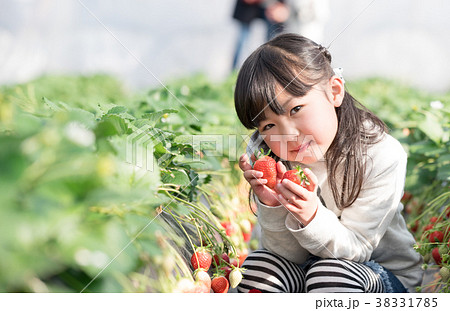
pixel 313 181
pixel 243 163
pixel 252 174
pixel 281 169
pixel 289 205
pixel 292 196
pixel 291 188
pixel 257 182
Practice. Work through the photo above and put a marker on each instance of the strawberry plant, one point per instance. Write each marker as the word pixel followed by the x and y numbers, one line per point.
pixel 104 190
pixel 421 122
pixel 80 203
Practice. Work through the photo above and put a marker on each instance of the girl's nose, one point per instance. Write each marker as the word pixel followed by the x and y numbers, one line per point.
pixel 290 130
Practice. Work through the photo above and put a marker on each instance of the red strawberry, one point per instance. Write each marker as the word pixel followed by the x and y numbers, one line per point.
pixel 436 236
pixel 234 262
pixel 436 256
pixel 254 290
pixel 239 260
pixel 224 257
pixel 201 259
pixel 230 227
pixel 246 236
pixel 268 167
pixel 246 228
pixel 406 196
pixel 297 176
pixel 201 276
pixel 220 284
pixel 226 270
pixel 435 219
pixel 242 256
pixel 428 227
pixel 415 226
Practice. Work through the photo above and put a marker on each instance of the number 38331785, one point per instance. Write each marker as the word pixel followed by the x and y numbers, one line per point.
pixel 415 302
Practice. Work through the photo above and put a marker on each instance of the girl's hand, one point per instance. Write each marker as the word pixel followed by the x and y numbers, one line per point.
pixel 254 178
pixel 301 203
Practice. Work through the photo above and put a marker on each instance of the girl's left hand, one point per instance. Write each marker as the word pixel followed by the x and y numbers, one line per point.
pixel 301 202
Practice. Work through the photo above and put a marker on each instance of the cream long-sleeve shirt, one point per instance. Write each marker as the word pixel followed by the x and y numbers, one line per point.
pixel 372 228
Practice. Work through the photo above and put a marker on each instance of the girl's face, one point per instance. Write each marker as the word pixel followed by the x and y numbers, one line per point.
pixel 305 131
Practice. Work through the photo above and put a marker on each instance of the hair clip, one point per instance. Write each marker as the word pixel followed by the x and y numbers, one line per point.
pixel 339 73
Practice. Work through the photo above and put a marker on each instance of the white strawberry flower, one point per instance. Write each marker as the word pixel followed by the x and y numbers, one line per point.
pixel 436 104
pixel 79 134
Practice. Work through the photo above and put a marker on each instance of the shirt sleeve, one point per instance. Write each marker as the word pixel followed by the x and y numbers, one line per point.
pixel 362 225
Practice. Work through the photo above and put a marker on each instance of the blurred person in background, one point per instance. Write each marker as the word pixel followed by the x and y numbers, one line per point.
pixel 308 18
pixel 273 12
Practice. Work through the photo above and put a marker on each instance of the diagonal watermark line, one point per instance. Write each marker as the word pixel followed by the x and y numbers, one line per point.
pixel 349 24
pixel 134 56
pixel 133 239
pixel 342 31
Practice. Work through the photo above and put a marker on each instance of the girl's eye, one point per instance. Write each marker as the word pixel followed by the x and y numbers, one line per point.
pixel 295 109
pixel 267 127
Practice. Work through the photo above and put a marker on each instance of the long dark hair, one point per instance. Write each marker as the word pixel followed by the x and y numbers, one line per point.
pixel 297 64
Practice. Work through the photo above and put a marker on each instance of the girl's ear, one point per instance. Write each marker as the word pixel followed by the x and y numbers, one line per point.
pixel 337 91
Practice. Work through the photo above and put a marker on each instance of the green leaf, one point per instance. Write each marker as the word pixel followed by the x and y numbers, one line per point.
pixel 432 127
pixel 443 163
pixel 196 127
pixel 177 177
pixel 111 125
pixel 155 117
pixel 423 148
pixel 53 106
pixel 444 173
pixel 117 110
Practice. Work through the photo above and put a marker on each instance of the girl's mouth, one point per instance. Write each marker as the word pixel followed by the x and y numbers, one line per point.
pixel 302 147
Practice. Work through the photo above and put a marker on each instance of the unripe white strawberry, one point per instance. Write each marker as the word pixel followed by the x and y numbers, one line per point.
pixel 201 276
pixel 235 277
pixel 444 273
pixel 246 225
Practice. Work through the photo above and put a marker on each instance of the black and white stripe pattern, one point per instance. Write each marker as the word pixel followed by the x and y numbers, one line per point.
pixel 271 273
pixel 342 276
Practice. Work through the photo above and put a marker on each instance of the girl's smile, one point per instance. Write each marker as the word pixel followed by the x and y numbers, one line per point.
pixel 305 129
pixel 302 147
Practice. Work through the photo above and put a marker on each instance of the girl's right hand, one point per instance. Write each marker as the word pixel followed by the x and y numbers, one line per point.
pixel 266 195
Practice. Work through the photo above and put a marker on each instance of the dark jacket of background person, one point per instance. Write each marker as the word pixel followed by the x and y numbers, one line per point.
pixel 248 10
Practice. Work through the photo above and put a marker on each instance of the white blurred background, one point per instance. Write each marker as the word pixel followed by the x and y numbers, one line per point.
pixel 143 41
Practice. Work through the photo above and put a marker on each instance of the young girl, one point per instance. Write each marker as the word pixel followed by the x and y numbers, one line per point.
pixel 345 231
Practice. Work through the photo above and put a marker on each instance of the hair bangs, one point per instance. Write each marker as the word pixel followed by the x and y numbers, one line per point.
pixel 255 92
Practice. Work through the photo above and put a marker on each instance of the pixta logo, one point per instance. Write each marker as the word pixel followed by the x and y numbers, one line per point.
pixel 140 147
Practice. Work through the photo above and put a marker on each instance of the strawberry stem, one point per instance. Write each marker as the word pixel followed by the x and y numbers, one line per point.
pixel 260 153
pixel 187 235
pixel 301 174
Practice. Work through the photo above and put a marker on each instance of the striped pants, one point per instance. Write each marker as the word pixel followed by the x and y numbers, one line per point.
pixel 271 273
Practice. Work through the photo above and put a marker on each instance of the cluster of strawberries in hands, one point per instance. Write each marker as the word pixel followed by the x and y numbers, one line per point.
pixel 274 185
